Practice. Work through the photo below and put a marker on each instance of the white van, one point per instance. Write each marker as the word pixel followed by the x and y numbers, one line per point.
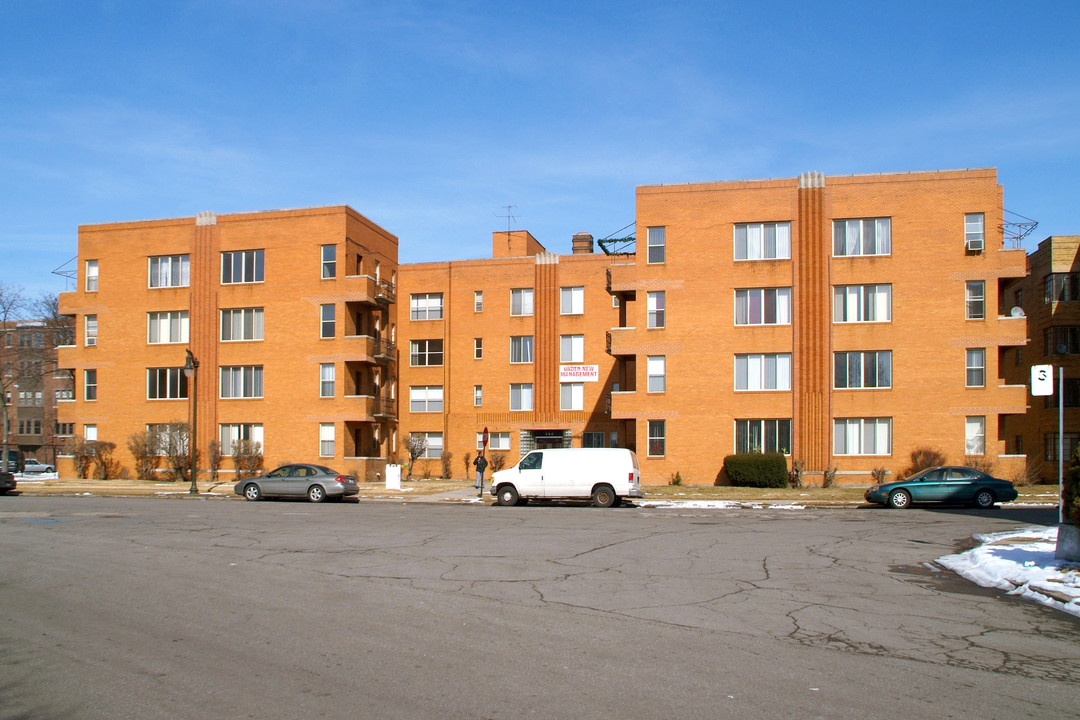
pixel 606 475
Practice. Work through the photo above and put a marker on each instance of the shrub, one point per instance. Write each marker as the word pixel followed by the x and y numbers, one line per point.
pixel 922 458
pixel 144 448
pixel 795 476
pixel 213 458
pixel 468 465
pixel 828 478
pixel 497 461
pixel 447 456
pixel 1070 489
pixel 880 475
pixel 247 458
pixel 981 464
pixel 108 467
pixel 82 452
pixel 764 470
pixel 676 479
pixel 1030 474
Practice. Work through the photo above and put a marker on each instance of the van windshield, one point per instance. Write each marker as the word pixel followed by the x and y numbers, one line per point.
pixel 532 461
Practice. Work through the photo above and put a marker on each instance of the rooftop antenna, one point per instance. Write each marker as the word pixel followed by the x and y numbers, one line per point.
pixel 509 217
pixel 68 271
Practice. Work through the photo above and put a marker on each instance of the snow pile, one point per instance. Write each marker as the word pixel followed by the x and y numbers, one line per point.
pixel 1022 563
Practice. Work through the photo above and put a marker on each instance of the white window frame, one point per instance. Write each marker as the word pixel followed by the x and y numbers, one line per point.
pixel 90 330
pixel 241 382
pixel 426 306
pixel 975 435
pixel 656 309
pixel 172 325
pixel 478 348
pixel 975 231
pixel 763 241
pixel 521 302
pixel 975 300
pixel 478 395
pixel 329 262
pixel 478 301
pixel 571 348
pixel 327 379
pixel 862 237
pixel 862 303
pixel 656 440
pixel 90 385
pixel 521 349
pixel 496 441
pixel 228 433
pixel 862 436
pixel 656 245
pixel 765 430
pixel 572 300
pixel 327 440
pixel 521 396
pixel 656 373
pixel 571 396
pixel 975 367
pixel 427 353
pixel 165 271
pixel 251 267
pixel 91 275
pixel 175 383
pixel 763 372
pixel 763 306
pixel 434 445
pixel 242 324
pixel 855 363
pixel 426 398
pixel 327 321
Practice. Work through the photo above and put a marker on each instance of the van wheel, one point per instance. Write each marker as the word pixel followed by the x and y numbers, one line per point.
pixel 508 495
pixel 603 496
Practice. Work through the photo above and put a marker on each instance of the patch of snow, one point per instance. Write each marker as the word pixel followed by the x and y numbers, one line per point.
pixel 1022 563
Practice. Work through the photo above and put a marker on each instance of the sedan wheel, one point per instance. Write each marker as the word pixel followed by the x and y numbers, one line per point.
pixel 900 499
pixel 316 493
pixel 984 499
pixel 252 492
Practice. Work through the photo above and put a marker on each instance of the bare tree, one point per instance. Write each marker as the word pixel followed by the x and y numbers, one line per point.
pixel 247 458
pixel 12 305
pixel 145 446
pixel 415 445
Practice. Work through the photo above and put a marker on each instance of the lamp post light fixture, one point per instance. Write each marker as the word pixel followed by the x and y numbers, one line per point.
pixel 191 371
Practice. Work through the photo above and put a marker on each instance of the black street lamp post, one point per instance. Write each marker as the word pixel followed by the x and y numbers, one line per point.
pixel 191 371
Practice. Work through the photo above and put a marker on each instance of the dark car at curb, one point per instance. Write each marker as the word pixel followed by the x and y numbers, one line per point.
pixel 7 482
pixel 316 482
pixel 953 484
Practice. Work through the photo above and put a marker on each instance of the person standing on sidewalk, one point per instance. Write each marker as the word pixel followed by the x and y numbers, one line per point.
pixel 481 465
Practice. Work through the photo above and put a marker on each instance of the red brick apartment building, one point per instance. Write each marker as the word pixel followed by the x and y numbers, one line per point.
pixel 32 388
pixel 842 320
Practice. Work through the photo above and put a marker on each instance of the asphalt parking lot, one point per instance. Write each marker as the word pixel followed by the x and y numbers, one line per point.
pixel 134 607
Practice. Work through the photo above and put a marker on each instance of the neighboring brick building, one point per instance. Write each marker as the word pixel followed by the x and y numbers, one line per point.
pixel 1050 298
pixel 842 320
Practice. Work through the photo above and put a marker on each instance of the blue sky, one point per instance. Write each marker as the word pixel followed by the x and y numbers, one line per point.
pixel 431 117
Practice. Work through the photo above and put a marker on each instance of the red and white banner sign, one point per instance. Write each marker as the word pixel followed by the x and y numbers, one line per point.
pixel 579 373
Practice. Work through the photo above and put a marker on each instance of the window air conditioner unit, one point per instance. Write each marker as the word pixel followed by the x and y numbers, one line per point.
pixel 91 341
pixel 975 244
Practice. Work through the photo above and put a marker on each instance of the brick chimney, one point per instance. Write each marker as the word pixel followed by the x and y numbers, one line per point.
pixel 583 243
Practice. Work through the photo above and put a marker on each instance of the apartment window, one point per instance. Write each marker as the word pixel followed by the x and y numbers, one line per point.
pixel 65 395
pixel 90 432
pixel 521 396
pixel 571 348
pixel 862 303
pixel 167 327
pixel 1060 287
pixel 1050 440
pixel 478 301
pixel 91 276
pixel 90 324
pixel 655 308
pixel 425 352
pixel 975 294
pixel 973 231
pixel 425 398
pixel 870 236
pixel 862 436
pixel 867 369
pixel 656 244
pixel 242 381
pixel 976 367
pixel 766 435
pixel 572 300
pixel 63 429
pixel 166 384
pixel 434 444
pixel 426 306
pixel 326 439
pixel 478 349
pixel 763 306
pixel 1061 340
pixel 241 266
pixel 232 434
pixel 975 435
pixel 327 317
pixel 657 438
pixel 656 370
pixel 763 241
pixel 329 261
pixel 592 439
pixel 571 396
pixel 521 349
pixel 241 324
pixel 89 385
pixel 763 372
pixel 170 271
pixel 521 301
pixel 478 395
pixel 327 378
pixel 496 441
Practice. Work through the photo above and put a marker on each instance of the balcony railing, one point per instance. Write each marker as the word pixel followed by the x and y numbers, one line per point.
pixel 385 406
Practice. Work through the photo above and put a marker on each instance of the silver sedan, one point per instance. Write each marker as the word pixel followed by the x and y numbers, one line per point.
pixel 316 482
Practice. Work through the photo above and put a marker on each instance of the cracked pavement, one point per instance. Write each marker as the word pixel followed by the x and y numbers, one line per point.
pixel 131 607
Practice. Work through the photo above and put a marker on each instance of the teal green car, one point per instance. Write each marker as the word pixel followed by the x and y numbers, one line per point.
pixel 950 484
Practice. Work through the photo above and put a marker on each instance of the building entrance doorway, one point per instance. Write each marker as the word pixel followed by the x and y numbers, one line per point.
pixel 549 439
